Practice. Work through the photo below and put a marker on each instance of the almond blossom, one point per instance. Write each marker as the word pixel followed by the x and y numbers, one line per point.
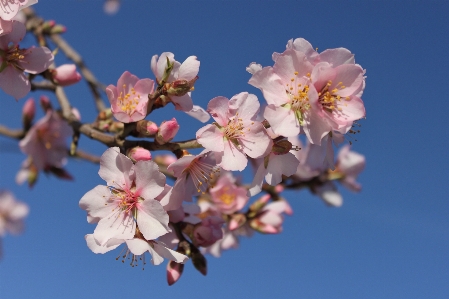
pixel 15 61
pixel 180 77
pixel 129 100
pixel 227 196
pixel 128 203
pixel 45 142
pixel 12 213
pixel 235 132
pixel 193 174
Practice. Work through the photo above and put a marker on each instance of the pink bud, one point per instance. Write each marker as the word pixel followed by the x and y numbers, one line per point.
pixel 174 272
pixel 76 113
pixel 45 103
pixel 28 111
pixel 66 74
pixel 237 220
pixel 167 131
pixel 146 128
pixel 139 154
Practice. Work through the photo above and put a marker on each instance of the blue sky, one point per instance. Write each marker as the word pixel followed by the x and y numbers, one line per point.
pixel 389 241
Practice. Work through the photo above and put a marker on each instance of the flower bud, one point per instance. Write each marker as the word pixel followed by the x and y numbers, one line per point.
pixel 76 113
pixel 47 25
pixel 146 128
pixel 45 103
pixel 139 154
pixel 28 112
pixel 167 131
pixel 66 74
pixel 263 228
pixel 58 29
pixel 237 220
pixel 174 272
pixel 180 87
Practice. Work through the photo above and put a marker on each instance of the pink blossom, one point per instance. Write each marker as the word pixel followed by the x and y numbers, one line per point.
pixel 66 74
pixel 167 131
pixel 193 175
pixel 208 231
pixel 139 154
pixel 129 200
pixel 349 165
pixel 227 196
pixel 274 166
pixel 339 89
pixel 45 142
pixel 269 220
pixel 235 132
pixel 136 249
pixel 15 61
pixel 12 213
pixel 129 100
pixel 329 194
pixel 185 72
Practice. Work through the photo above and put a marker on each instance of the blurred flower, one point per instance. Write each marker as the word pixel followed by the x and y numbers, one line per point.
pixel 208 231
pixel 12 213
pixel 15 61
pixel 227 196
pixel 111 7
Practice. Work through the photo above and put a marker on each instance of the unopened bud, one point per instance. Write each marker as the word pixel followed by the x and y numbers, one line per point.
pixel 45 103
pixel 66 74
pixel 28 112
pixel 181 87
pixel 47 25
pixel 146 128
pixel 237 220
pixel 116 127
pixel 263 227
pixel 174 272
pixel 76 113
pixel 58 29
pixel 167 131
pixel 281 147
pixel 260 203
pixel 105 114
pixel 139 154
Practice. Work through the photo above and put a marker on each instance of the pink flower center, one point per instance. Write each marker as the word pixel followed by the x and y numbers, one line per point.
pixel 127 200
pixel 226 197
pixel 329 99
pixel 46 137
pixel 13 56
pixel 128 100
pixel 235 129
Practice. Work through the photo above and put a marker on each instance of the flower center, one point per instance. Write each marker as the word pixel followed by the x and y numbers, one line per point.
pixel 202 174
pixel 128 100
pixel 13 56
pixel 298 94
pixel 46 137
pixel 227 198
pixel 329 98
pixel 127 200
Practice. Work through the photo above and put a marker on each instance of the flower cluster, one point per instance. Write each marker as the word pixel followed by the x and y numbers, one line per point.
pixel 186 205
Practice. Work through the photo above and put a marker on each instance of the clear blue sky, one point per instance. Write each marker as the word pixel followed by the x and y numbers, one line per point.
pixel 389 241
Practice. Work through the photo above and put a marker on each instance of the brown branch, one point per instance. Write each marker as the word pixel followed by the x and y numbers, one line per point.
pixel 12 133
pixel 43 85
pixel 87 156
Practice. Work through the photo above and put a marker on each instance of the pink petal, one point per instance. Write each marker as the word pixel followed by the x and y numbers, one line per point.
pixel 271 86
pixel 152 219
pixel 337 56
pixel 97 248
pixel 137 246
pixel 211 138
pixel 16 35
pixel 198 113
pixel 14 82
pixel 36 60
pixel 183 103
pixel 218 107
pixel 150 181
pixel 189 68
pixel 118 225
pixel 282 120
pixel 245 105
pixel 116 169
pixel 233 159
